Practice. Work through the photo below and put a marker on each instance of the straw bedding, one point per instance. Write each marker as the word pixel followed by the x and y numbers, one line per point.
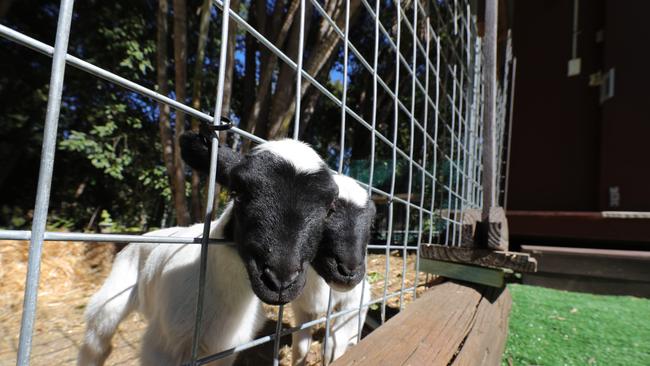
pixel 72 271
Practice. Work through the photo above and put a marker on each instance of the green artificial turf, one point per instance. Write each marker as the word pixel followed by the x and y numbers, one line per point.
pixel 551 327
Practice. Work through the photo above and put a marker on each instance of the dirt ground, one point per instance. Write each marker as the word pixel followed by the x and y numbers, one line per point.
pixel 72 272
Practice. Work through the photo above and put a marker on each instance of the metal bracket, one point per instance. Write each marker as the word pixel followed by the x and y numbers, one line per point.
pixel 208 130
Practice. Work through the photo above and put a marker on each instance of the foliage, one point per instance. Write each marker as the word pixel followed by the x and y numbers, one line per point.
pixel 550 327
pixel 109 155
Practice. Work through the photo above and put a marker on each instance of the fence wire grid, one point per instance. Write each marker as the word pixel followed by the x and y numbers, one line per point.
pixel 422 160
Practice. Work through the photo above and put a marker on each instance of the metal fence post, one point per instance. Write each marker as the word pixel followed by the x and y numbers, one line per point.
pixel 44 181
pixel 209 206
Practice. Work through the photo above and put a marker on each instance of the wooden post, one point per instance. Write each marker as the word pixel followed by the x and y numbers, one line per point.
pixel 488 223
pixel 510 120
pixel 489 108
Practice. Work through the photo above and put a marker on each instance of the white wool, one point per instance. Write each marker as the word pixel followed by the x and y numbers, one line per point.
pixel 160 281
pixel 313 303
pixel 298 153
pixel 351 191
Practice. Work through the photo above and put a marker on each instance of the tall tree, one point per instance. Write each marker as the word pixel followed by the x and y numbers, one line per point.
pixel 166 136
pixel 227 85
pixel 327 42
pixel 197 78
pixel 180 68
pixel 4 7
pixel 256 121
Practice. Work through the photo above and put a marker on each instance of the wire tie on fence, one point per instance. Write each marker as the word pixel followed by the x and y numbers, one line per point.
pixel 208 130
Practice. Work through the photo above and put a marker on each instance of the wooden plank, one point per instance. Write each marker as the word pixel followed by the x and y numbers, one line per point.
pixel 473 274
pixel 431 328
pixel 583 226
pixel 489 152
pixel 470 221
pixel 593 285
pixel 626 214
pixel 497 231
pixel 592 252
pixel 596 263
pixel 486 341
pixel 519 262
pixel 436 329
pixel 473 230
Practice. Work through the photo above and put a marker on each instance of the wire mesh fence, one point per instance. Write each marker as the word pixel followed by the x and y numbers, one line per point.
pixel 406 80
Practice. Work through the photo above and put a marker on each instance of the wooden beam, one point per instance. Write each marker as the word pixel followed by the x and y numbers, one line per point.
pixel 473 228
pixel 497 230
pixel 489 109
pixel 600 263
pixel 470 221
pixel 473 274
pixel 519 262
pixel 450 324
pixel 581 226
pixel 592 285
pixel 485 343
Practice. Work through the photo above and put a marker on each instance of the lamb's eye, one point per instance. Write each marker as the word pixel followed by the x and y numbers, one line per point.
pixel 331 209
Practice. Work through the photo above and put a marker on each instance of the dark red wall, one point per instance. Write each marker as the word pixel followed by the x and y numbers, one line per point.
pixel 556 133
pixel 626 117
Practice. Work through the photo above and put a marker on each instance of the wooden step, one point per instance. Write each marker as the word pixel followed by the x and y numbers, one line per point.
pixel 602 271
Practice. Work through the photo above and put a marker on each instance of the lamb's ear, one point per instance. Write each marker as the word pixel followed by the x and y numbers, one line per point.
pixel 196 153
pixel 227 159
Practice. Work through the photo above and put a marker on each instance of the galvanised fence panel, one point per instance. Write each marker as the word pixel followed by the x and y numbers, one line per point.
pixel 418 67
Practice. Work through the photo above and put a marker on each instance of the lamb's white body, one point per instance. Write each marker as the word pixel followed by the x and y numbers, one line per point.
pixel 161 282
pixel 313 303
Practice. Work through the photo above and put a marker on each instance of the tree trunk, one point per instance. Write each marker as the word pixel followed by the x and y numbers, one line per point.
pixel 204 26
pixel 4 7
pixel 309 103
pixel 180 67
pixel 268 66
pixel 310 100
pixel 230 64
pixel 327 42
pixel 286 81
pixel 250 67
pixel 166 139
pixel 227 88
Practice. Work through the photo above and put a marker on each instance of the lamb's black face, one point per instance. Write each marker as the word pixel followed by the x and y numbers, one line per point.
pixel 278 220
pixel 341 259
pixel 282 192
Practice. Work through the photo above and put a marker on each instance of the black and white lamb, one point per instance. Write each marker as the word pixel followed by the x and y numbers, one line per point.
pixel 341 262
pixel 282 192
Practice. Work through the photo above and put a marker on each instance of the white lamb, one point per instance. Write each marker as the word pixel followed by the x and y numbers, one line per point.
pixel 282 193
pixel 341 262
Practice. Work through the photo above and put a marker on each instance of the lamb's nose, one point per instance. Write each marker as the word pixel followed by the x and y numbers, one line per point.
pixel 279 280
pixel 347 268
